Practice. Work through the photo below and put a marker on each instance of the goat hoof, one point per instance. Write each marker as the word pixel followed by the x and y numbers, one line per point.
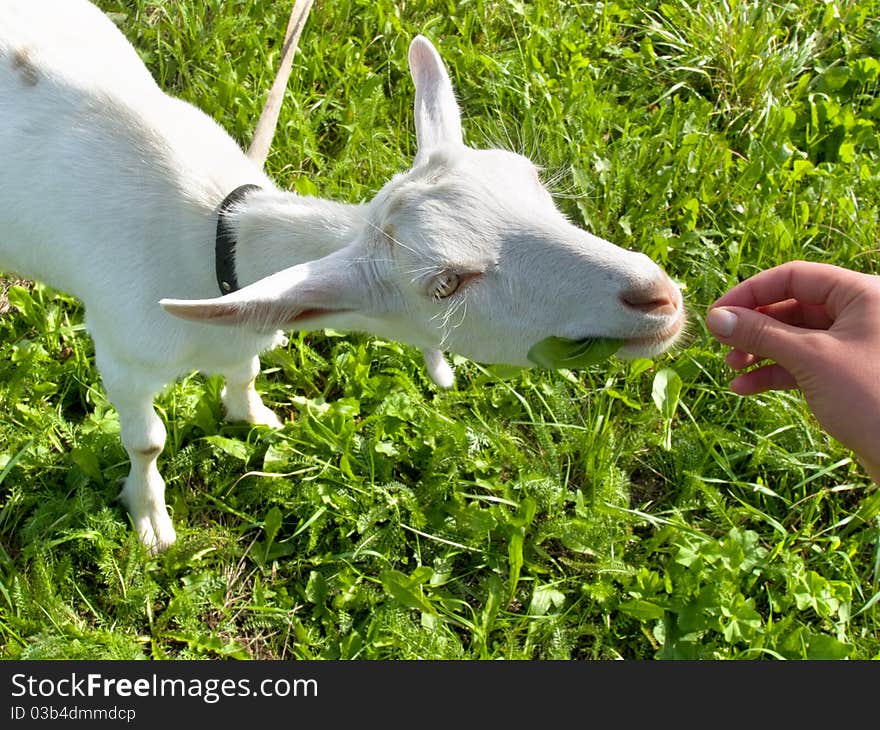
pixel 160 542
pixel 156 533
pixel 151 522
pixel 264 417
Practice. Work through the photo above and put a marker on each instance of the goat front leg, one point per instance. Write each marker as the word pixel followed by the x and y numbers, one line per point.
pixel 241 400
pixel 439 370
pixel 143 436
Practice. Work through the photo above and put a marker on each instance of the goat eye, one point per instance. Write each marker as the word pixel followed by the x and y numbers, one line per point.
pixel 445 285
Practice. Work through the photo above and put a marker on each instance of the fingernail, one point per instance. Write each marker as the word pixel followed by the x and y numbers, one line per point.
pixel 721 322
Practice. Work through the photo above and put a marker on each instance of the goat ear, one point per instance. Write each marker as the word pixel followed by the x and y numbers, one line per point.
pixel 438 120
pixel 333 285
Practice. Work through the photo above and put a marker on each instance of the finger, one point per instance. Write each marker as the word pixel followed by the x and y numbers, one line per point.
pixel 793 312
pixel 737 359
pixel 769 377
pixel 805 281
pixel 760 335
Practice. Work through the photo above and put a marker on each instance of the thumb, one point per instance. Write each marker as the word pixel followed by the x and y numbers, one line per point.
pixel 758 334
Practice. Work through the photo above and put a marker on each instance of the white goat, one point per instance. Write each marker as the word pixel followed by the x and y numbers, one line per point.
pixel 111 190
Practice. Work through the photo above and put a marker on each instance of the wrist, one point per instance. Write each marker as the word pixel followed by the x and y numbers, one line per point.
pixel 872 466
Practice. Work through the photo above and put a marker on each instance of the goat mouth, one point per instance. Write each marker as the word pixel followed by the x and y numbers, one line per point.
pixel 656 343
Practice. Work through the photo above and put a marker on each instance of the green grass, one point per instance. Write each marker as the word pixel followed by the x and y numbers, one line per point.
pixel 631 510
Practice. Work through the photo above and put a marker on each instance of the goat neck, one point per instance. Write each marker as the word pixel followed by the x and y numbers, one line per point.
pixel 275 230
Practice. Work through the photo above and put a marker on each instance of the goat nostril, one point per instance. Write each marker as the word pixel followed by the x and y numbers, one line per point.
pixel 652 300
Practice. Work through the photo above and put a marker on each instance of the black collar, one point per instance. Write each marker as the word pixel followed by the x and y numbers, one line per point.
pixel 224 244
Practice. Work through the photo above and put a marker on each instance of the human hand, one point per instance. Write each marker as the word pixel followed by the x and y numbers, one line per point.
pixel 820 326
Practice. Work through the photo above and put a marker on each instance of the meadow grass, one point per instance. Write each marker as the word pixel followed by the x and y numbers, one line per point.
pixel 634 510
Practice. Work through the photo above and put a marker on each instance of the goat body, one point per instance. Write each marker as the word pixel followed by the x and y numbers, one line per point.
pixel 109 190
